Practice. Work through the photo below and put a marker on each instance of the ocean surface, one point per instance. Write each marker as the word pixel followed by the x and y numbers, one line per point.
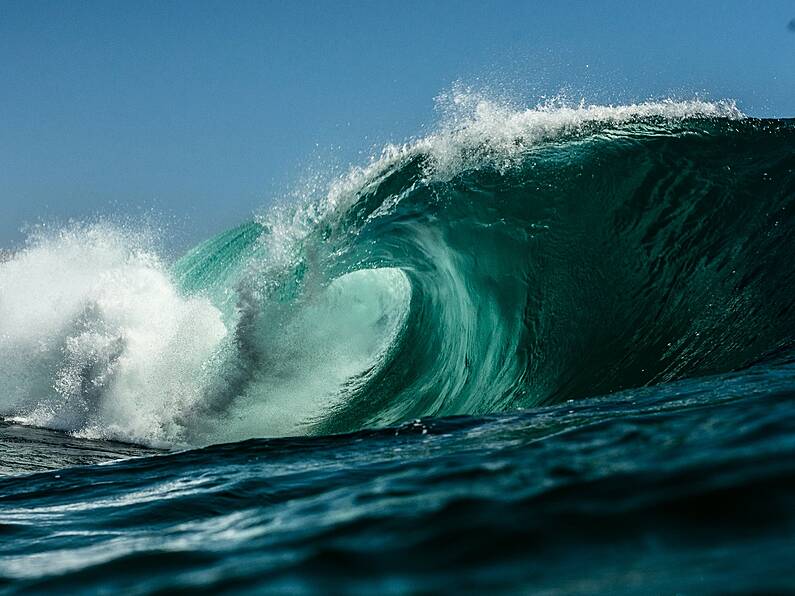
pixel 546 350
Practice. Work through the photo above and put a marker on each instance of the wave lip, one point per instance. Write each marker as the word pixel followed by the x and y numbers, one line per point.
pixel 496 134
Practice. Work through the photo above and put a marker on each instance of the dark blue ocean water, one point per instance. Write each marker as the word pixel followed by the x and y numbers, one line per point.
pixel 684 488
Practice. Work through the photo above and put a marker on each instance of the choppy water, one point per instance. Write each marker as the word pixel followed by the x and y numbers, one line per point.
pixel 543 350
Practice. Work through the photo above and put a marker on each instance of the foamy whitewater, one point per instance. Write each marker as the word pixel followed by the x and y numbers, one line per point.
pixel 546 350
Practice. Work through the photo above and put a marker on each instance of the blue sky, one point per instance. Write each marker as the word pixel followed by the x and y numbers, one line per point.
pixel 205 111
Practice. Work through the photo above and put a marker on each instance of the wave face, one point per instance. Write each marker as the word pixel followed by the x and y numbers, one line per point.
pixel 511 259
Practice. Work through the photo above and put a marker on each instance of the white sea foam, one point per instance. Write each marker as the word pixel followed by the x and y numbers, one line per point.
pixel 96 340
pixel 476 129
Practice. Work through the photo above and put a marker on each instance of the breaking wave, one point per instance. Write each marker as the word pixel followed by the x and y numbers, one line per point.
pixel 510 259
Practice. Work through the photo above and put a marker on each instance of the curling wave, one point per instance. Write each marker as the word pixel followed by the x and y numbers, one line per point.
pixel 512 258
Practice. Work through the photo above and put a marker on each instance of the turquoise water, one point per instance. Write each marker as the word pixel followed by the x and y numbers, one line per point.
pixel 541 350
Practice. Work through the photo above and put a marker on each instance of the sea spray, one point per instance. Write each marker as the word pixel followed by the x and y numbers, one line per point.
pixel 97 340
